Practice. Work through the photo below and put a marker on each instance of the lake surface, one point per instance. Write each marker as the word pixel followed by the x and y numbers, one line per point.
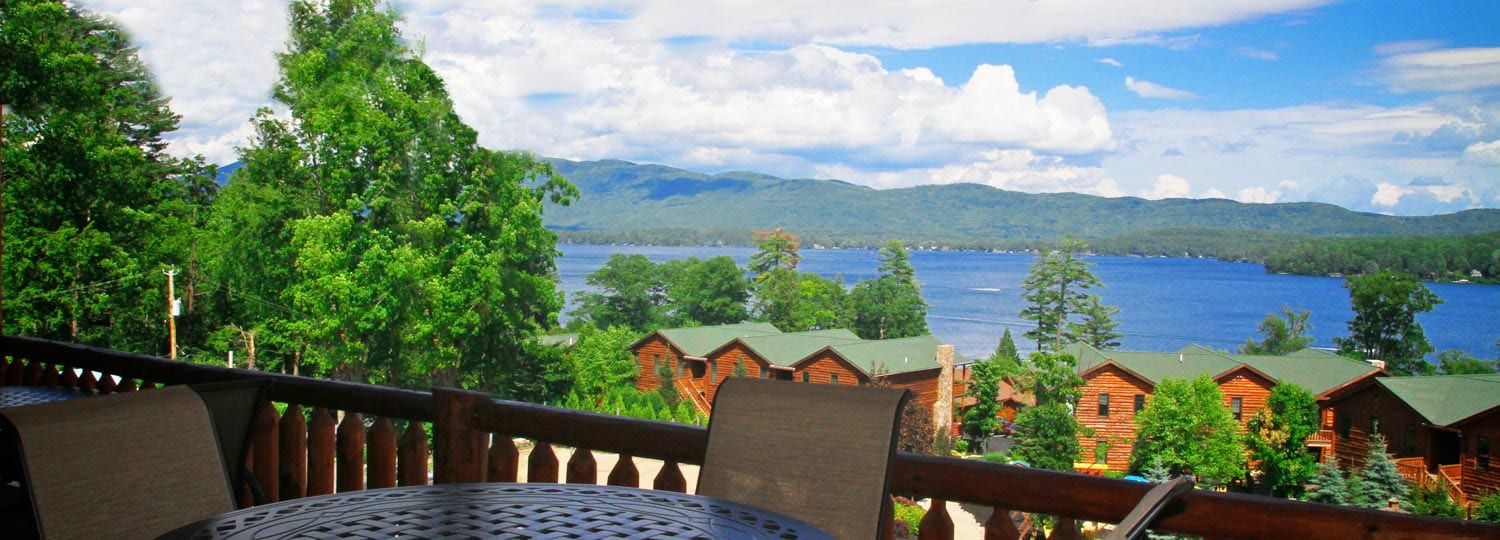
pixel 1165 304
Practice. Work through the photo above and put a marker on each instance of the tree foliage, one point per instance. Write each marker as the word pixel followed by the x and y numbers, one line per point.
pixel 1380 480
pixel 979 419
pixel 1098 325
pixel 1328 485
pixel 94 208
pixel 1276 437
pixel 1047 433
pixel 891 305
pixel 1488 508
pixel 1054 293
pixel 601 361
pixel 369 229
pixel 1385 325
pixel 776 249
pixel 630 293
pixel 1456 362
pixel 1281 335
pixel 1187 425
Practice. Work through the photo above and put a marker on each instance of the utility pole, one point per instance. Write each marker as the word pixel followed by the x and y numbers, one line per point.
pixel 171 314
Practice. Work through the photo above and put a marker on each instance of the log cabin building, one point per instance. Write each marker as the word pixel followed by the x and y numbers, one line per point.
pixel 696 360
pixel 1118 384
pixel 1441 430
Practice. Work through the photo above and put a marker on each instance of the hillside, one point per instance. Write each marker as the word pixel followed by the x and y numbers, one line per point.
pixel 621 197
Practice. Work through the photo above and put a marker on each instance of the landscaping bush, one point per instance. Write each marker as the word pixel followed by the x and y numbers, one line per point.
pixel 909 513
pixel 1432 501
pixel 997 457
pixel 1489 507
pixel 961 446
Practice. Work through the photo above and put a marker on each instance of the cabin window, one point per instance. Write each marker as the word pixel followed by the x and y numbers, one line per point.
pixel 713 371
pixel 1101 451
pixel 1103 405
pixel 1237 408
pixel 765 373
pixel 1374 425
pixel 1482 454
pixel 679 368
pixel 806 377
pixel 655 363
pixel 1409 441
pixel 833 379
pixel 1140 402
pixel 1344 422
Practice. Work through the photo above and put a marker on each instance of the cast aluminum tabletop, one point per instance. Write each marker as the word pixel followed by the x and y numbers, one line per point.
pixel 497 510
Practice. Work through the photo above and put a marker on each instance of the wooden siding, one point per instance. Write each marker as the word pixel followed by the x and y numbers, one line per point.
pixel 1473 481
pixel 923 383
pixel 1375 401
pixel 824 366
pixel 723 361
pixel 1252 389
pixel 647 380
pixel 1119 427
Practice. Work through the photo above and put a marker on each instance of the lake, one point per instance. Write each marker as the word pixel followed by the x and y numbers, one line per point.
pixel 1165 304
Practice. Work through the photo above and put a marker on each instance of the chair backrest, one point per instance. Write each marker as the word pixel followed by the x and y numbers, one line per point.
pixel 233 406
pixel 819 452
pixel 131 465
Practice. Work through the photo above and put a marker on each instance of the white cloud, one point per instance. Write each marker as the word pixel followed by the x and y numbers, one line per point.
pixel 1483 153
pixel 1257 195
pixel 1111 61
pixel 1213 193
pixel 1442 70
pixel 1169 186
pixel 1148 89
pixel 1388 194
pixel 1403 47
pixel 1015 170
pixel 1258 54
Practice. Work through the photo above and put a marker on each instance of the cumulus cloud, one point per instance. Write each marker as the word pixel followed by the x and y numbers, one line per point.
pixel 1442 70
pixel 1148 89
pixel 1169 186
pixel 1111 61
pixel 1258 54
pixel 1010 169
pixel 1257 195
pixel 1483 153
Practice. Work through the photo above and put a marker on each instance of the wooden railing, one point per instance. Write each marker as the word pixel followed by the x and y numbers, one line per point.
pixel 473 438
pixel 1322 438
pixel 1414 469
pixel 1451 477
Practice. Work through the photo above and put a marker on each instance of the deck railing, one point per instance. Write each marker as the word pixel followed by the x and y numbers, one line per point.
pixel 474 435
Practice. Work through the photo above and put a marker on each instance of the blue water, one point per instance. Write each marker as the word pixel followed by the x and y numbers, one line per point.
pixel 1165 304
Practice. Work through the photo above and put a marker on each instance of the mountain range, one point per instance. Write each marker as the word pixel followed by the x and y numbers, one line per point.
pixel 619 197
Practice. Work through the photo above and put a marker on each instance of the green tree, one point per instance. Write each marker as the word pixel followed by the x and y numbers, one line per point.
pixel 706 292
pixel 979 419
pixel 1054 293
pixel 1432 501
pixel 601 361
pixel 1277 435
pixel 885 308
pixel 94 209
pixel 776 249
pixel 1456 362
pixel 1380 480
pixel 1047 433
pixel 398 249
pixel 1098 325
pixel 819 303
pixel 1488 508
pixel 1007 348
pixel 1187 425
pixel 632 292
pixel 895 263
pixel 1385 325
pixel 1328 485
pixel 1281 335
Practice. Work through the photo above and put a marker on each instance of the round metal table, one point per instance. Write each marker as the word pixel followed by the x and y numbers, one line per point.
pixel 497 510
pixel 21 396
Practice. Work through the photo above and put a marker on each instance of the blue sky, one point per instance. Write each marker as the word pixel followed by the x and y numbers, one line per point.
pixel 1377 105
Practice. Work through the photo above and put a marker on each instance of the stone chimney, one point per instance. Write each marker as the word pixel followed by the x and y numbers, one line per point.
pixel 942 410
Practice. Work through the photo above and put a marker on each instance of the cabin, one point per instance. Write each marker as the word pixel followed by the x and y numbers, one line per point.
pixel 1118 384
pixel 1440 430
pixel 696 360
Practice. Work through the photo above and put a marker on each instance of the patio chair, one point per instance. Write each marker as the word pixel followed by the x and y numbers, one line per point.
pixel 1151 506
pixel 819 452
pixel 134 465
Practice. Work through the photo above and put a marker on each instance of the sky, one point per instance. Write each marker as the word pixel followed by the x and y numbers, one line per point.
pixel 1375 105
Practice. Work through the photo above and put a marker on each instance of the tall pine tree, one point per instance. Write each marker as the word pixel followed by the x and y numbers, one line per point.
pixel 1328 485
pixel 1380 480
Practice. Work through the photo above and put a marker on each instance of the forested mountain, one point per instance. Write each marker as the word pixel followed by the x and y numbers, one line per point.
pixel 622 197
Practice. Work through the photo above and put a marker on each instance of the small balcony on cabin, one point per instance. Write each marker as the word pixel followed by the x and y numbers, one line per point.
pixel 310 447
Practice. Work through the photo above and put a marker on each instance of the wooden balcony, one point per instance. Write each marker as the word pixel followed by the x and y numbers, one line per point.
pixel 474 441
pixel 1321 439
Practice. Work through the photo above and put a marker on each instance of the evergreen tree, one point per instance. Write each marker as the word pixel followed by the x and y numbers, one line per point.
pixel 403 253
pixel 1007 348
pixel 891 305
pixel 1098 326
pixel 94 208
pixel 776 249
pixel 1380 480
pixel 1328 485
pixel 1054 292
pixel 1047 433
pixel 1281 335
pixel 979 419
pixel 895 263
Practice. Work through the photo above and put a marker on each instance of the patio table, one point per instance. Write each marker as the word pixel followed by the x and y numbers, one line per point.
pixel 21 396
pixel 501 510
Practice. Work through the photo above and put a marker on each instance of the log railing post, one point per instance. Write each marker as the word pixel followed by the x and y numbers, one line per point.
pixel 320 452
pixel 504 460
pixel 541 465
pixel 264 444
pixel 582 468
pixel 670 478
pixel 624 473
pixel 292 454
pixel 351 453
pixel 381 454
pixel 936 524
pixel 1001 526
pixel 411 459
pixel 460 455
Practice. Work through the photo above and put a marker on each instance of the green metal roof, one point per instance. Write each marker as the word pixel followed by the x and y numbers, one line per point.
pixel 897 355
pixel 787 349
pixel 701 340
pixel 1447 399
pixel 1315 370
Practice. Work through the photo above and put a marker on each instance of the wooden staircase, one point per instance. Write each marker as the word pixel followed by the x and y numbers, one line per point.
pixel 692 392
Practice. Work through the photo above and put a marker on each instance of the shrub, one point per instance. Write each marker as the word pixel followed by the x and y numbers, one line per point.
pixel 1432 501
pixel 997 457
pixel 1117 475
pixel 1489 507
pixel 909 513
pixel 961 446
